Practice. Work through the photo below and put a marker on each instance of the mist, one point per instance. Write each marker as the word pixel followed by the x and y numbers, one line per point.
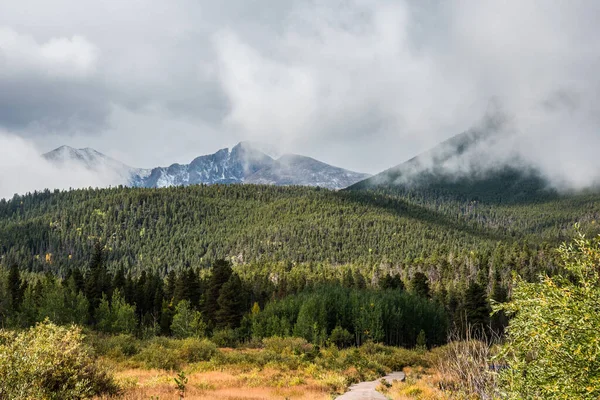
pixel 23 170
pixel 363 85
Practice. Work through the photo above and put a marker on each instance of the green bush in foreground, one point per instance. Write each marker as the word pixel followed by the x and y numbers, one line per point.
pixel 553 344
pixel 50 362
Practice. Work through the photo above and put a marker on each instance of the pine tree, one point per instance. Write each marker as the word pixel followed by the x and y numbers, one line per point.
pixel 420 285
pixel 477 308
pixel 119 280
pixel 170 285
pixel 499 320
pixel 194 291
pixel 166 318
pixel 221 273
pixel 94 280
pixel 391 282
pixel 77 280
pixel 15 287
pixel 231 303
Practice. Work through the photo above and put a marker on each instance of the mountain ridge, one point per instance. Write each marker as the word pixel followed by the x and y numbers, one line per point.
pixel 243 163
pixel 456 169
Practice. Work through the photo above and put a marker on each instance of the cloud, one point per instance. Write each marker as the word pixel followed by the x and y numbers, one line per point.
pixel 418 75
pixel 360 84
pixel 23 170
pixel 59 57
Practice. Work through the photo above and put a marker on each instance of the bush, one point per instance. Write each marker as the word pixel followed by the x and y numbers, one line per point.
pixel 160 353
pixel 552 343
pixel 195 350
pixel 287 345
pixel 225 338
pixel 341 337
pixel 50 362
pixel 119 346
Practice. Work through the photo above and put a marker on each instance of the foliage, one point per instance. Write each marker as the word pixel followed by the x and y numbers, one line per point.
pixel 194 350
pixel 187 322
pixel 553 346
pixel 390 317
pixel 160 353
pixel 116 317
pixel 50 362
pixel 181 380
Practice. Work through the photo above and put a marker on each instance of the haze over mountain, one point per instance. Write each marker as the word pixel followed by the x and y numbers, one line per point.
pixel 92 160
pixel 461 168
pixel 241 164
pixel 293 169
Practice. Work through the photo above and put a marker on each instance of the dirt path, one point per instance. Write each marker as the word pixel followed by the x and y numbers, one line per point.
pixel 366 390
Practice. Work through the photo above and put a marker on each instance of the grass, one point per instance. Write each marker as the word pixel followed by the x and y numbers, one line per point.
pixel 227 384
pixel 420 384
pixel 280 368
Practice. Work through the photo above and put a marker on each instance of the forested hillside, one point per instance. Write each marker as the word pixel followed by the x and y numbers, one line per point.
pixel 166 229
pixel 155 244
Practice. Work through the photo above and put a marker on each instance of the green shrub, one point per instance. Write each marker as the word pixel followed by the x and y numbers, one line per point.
pixel 341 337
pixel 50 362
pixel 225 338
pixel 552 347
pixel 119 346
pixel 287 345
pixel 160 353
pixel 195 350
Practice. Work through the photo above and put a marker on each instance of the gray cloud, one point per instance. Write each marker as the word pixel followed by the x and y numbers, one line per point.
pixel 360 84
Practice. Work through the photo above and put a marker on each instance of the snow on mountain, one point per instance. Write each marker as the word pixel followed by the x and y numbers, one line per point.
pixel 243 163
pixel 224 166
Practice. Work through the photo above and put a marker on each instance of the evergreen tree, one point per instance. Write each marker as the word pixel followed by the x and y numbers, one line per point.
pixel 477 308
pixel 393 282
pixel 95 279
pixel 194 291
pixel 420 285
pixel 499 320
pixel 119 280
pixel 221 272
pixel 15 287
pixel 77 279
pixel 231 306
pixel 348 279
pixel 170 285
pixel 359 280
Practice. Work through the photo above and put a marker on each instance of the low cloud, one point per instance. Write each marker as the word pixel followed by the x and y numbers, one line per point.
pixel 23 170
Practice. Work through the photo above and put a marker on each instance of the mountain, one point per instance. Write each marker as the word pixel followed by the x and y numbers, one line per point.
pixel 460 169
pixel 90 159
pixel 224 166
pixel 243 163
pixel 292 169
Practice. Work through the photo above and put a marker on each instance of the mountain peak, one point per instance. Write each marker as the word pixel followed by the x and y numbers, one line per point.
pixel 460 168
pixel 245 162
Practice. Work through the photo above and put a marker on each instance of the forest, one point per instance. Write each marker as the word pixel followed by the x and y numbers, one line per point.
pixel 242 264
pixel 149 249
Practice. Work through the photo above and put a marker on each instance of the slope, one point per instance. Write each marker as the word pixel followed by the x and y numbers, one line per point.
pixel 292 169
pixel 453 171
pixel 163 229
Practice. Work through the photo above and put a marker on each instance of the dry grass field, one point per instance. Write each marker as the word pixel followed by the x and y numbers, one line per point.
pixel 220 385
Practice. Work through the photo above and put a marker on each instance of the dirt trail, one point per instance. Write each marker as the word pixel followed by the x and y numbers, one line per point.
pixel 366 390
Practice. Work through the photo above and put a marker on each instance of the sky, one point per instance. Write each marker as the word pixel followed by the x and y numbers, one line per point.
pixel 359 84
